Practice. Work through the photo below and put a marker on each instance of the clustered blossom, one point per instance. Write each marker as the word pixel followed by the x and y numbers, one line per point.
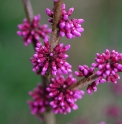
pixel 81 120
pixel 85 71
pixel 40 100
pixel 113 111
pixel 33 31
pixel 102 122
pixel 63 99
pixel 117 89
pixel 43 59
pixel 69 28
pixel 119 122
pixel 108 65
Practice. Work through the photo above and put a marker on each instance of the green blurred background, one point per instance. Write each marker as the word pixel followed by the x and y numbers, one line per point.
pixel 103 29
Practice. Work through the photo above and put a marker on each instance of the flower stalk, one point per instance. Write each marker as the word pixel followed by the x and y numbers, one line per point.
pixel 28 9
pixel 55 36
pixel 49 117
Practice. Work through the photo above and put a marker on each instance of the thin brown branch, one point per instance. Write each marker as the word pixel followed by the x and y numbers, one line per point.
pixel 55 37
pixel 84 82
pixel 49 117
pixel 28 9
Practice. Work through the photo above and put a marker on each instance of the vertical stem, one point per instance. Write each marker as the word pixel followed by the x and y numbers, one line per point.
pixel 28 9
pixel 55 37
pixel 49 117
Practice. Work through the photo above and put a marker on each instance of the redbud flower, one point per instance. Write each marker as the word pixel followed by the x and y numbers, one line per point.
pixel 119 122
pixel 102 122
pixel 40 101
pixel 81 120
pixel 63 99
pixel 33 31
pixel 108 65
pixel 113 111
pixel 117 89
pixel 55 0
pixel 85 71
pixel 55 61
pixel 69 28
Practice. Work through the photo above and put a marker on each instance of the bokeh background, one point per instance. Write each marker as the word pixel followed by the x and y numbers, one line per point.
pixel 103 29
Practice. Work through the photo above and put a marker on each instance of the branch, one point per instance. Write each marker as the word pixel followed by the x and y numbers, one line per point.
pixel 83 82
pixel 49 117
pixel 55 37
pixel 28 9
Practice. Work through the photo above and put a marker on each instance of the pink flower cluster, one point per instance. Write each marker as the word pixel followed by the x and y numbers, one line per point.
pixel 40 100
pixel 69 28
pixel 102 122
pixel 55 0
pixel 85 71
pixel 63 99
pixel 113 111
pixel 117 89
pixel 119 122
pixel 33 31
pixel 43 59
pixel 108 65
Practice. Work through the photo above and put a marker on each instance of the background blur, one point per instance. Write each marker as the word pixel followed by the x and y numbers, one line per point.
pixel 103 29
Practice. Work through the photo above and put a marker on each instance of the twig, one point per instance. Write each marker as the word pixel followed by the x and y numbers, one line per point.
pixel 49 117
pixel 28 9
pixel 55 37
pixel 83 82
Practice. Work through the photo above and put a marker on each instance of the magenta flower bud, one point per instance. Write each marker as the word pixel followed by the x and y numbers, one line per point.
pixel 62 24
pixel 49 12
pixel 80 21
pixel 70 11
pixel 50 20
pixel 69 35
pixel 76 33
pixel 19 33
pixel 62 34
pixel 55 0
pixel 80 30
pixel 65 17
pixel 67 26
pixel 63 6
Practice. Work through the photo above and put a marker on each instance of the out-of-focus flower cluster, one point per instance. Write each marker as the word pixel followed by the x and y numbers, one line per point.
pixel 33 31
pixel 43 59
pixel 70 28
pixel 113 111
pixel 40 101
pixel 102 122
pixel 117 89
pixel 63 99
